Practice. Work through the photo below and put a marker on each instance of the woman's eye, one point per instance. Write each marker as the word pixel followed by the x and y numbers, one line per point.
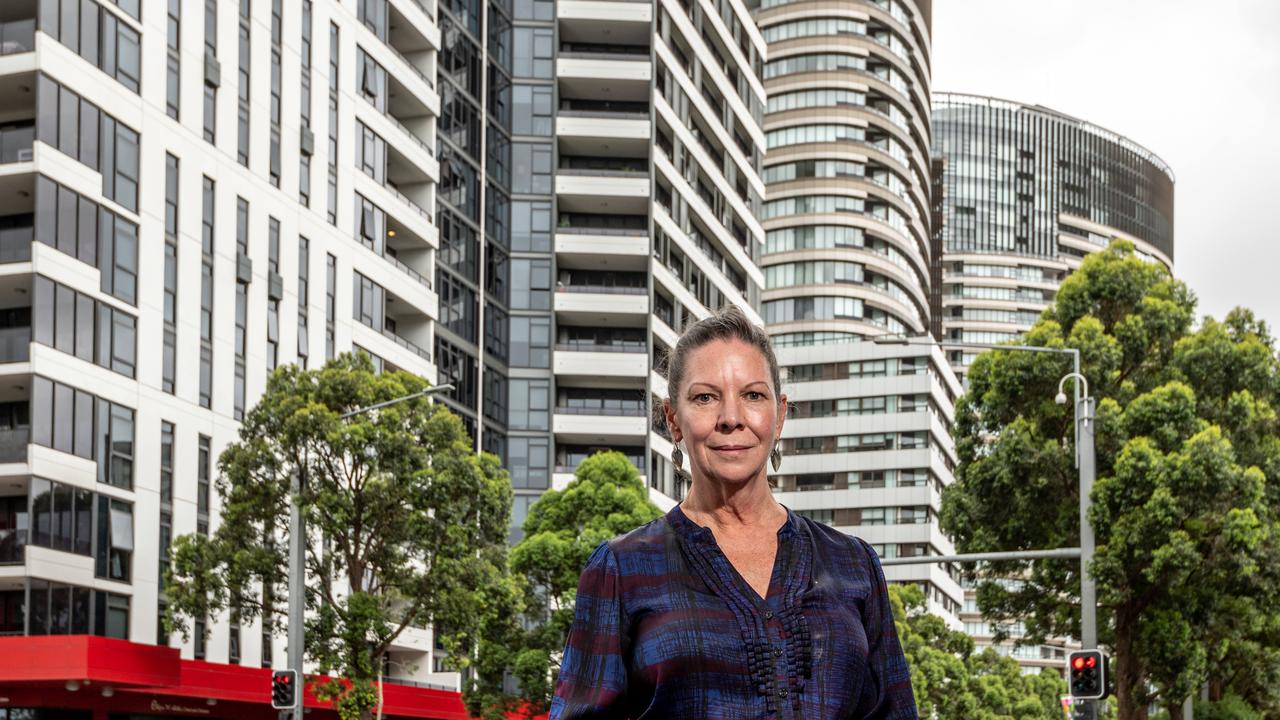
pixel 754 395
pixel 702 397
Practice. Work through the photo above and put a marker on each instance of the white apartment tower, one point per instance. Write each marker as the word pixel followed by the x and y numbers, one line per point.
pixel 191 194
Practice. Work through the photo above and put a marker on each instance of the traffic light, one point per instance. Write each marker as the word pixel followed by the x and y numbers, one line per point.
pixel 1087 670
pixel 284 689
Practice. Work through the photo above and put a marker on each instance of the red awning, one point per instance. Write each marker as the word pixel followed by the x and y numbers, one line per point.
pixel 159 675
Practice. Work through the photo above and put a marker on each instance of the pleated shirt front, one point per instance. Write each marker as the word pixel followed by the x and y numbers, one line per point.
pixel 665 627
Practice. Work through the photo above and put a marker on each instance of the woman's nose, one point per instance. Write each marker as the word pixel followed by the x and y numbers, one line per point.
pixel 730 418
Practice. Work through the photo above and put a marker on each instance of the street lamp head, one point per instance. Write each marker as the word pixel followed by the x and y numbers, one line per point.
pixel 1061 398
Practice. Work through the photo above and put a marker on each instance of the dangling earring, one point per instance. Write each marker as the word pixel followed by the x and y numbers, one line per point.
pixel 677 460
pixel 775 458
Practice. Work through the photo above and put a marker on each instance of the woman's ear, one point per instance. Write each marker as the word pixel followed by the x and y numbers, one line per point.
pixel 669 414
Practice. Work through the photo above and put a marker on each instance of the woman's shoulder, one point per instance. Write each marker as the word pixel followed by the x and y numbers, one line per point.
pixel 635 548
pixel 833 544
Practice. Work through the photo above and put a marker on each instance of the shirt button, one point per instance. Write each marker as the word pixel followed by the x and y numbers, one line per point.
pixel 777 652
pixel 782 693
pixel 768 614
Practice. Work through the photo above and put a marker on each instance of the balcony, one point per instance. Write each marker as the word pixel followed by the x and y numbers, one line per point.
pixel 603 184
pixel 16 139
pixel 611 356
pixel 390 326
pixel 617 69
pixel 17 27
pixel 600 416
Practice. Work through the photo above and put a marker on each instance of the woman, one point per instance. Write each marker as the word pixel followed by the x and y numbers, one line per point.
pixel 731 606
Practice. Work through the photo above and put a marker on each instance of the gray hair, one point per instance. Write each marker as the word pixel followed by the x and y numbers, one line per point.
pixel 730 323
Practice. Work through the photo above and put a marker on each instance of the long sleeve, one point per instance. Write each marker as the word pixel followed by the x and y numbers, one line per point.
pixel 593 672
pixel 886 695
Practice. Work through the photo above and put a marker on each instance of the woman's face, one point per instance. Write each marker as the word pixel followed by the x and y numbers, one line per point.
pixel 727 412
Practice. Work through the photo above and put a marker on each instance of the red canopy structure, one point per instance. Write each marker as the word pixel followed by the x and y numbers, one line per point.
pixel 101 676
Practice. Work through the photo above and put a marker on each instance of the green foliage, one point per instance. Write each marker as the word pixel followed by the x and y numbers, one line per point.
pixel 954 682
pixel 1231 707
pixel 605 499
pixel 406 525
pixel 1188 479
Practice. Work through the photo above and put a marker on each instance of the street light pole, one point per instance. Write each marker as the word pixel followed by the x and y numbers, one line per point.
pixel 298 555
pixel 1085 462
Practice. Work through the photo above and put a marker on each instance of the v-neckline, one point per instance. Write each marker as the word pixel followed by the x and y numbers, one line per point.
pixel 761 601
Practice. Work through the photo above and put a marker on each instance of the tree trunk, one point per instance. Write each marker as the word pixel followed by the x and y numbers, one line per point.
pixel 1129 673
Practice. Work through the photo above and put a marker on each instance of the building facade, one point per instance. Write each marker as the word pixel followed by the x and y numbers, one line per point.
pixel 1023 194
pixel 866 447
pixel 192 194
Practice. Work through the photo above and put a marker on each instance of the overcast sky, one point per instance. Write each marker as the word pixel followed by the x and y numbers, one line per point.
pixel 1198 83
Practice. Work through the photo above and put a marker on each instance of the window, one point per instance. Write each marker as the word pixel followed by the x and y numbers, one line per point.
pixel 531 168
pixel 62 417
pixel 530 341
pixel 115 452
pixel 304 298
pixel 273 167
pixel 530 402
pixel 333 124
pixel 210 58
pixel 371 154
pixel 330 304
pixel 119 162
pixel 459 246
pixel 530 284
pixel 166 461
pixel 529 460
pixel 533 110
pixel 533 52
pixel 97 35
pixel 242 88
pixel 118 245
pixel 206 294
pixel 173 74
pixel 204 470
pixel 169 360
pixel 61 516
pixel 457 306
pixel 496 325
pixel 115 539
pixel 60 609
pixel 531 226
pixel 304 156
pixel 495 396
pixel 368 302
pixel 273 304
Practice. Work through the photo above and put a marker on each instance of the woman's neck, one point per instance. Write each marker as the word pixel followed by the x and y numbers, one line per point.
pixel 747 505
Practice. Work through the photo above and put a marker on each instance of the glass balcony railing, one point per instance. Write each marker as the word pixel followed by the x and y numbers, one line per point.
pixel 15 242
pixel 15 141
pixel 13 543
pixel 17 36
pixel 15 344
pixel 13 444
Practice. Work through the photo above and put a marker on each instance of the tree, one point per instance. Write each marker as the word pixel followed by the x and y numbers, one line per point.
pixel 406 524
pixel 605 499
pixel 953 682
pixel 1188 467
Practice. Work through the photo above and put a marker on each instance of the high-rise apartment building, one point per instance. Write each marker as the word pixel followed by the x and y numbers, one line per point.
pixel 1023 194
pixel 866 447
pixel 599 186
pixel 191 194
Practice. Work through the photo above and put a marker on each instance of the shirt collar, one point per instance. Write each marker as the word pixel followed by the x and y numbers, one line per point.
pixel 690 530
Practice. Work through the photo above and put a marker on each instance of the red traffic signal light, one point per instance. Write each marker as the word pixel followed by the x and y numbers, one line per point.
pixel 284 689
pixel 1087 670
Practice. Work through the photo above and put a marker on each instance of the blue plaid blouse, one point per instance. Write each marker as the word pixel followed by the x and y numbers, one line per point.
pixel 664 627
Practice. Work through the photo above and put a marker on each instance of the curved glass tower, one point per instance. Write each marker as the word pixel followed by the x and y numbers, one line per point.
pixel 1022 194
